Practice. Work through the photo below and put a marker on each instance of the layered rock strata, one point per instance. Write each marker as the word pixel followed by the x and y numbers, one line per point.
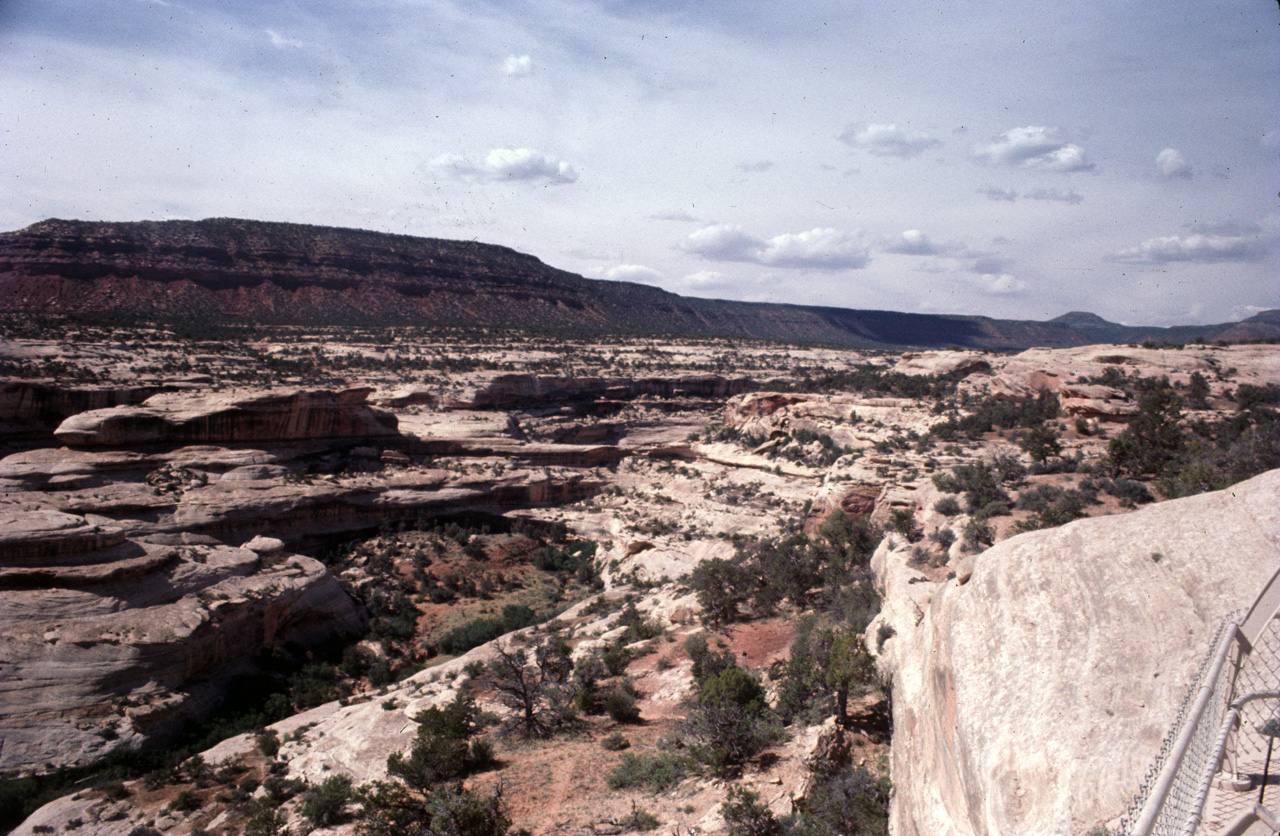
pixel 107 643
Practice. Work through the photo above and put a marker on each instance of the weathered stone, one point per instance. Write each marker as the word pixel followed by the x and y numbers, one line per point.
pixel 1033 697
pixel 229 417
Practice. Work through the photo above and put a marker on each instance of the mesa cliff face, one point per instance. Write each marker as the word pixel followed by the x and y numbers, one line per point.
pixel 238 270
pixel 1032 695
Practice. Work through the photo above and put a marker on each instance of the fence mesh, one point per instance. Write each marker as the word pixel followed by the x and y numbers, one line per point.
pixel 1252 749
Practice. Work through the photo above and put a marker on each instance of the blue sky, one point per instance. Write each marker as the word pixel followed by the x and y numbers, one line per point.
pixel 1015 160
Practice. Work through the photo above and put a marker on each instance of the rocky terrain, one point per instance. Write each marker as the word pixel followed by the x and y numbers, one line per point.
pixel 251 271
pixel 183 515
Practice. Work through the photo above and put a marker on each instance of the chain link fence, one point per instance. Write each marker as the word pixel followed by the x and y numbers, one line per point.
pixel 1221 755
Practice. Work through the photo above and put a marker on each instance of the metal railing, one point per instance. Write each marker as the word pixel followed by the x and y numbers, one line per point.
pixel 1223 734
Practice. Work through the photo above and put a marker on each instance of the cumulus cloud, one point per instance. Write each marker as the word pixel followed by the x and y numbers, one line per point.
pixel 822 248
pixel 1035 147
pixel 825 249
pixel 1198 248
pixel 888 140
pixel 912 242
pixel 1173 164
pixel 633 273
pixel 517 65
pixel 1005 283
pixel 724 242
pixel 704 278
pixel 511 164
pixel 1069 196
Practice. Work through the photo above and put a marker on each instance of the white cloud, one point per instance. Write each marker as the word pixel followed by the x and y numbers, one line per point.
pixel 756 167
pixel 511 164
pixel 824 249
pixel 998 194
pixel 517 65
pixel 281 42
pixel 1068 196
pixel 1200 248
pixel 1005 283
pixel 724 242
pixel 912 242
pixel 704 278
pixel 888 140
pixel 821 248
pixel 1173 164
pixel 633 273
pixel 1034 147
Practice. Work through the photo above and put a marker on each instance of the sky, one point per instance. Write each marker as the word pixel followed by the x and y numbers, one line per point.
pixel 1016 160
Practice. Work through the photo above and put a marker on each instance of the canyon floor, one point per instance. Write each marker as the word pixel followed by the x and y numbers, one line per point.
pixel 345 519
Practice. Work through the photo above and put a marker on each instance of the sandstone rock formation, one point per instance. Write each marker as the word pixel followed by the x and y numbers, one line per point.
pixel 1033 697
pixel 186 418
pixel 108 643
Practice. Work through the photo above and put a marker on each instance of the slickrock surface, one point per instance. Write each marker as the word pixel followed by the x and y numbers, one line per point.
pixel 1032 698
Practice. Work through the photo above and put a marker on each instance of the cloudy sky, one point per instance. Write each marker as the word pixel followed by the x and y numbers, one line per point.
pixel 1010 159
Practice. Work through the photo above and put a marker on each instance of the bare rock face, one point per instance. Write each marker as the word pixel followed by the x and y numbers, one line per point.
pixel 1033 697
pixel 184 418
pixel 115 647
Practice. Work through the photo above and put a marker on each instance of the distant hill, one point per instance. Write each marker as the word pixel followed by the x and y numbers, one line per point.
pixel 227 270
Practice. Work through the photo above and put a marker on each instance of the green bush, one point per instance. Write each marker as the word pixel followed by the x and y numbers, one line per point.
pixel 390 809
pixel 323 805
pixel 620 704
pixel 615 742
pixel 948 506
pixel 659 772
pixel 746 816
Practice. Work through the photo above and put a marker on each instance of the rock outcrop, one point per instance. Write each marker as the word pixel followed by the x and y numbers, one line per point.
pixel 108 643
pixel 219 418
pixel 1033 697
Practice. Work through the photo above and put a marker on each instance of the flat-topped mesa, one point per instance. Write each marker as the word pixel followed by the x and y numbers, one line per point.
pixel 230 417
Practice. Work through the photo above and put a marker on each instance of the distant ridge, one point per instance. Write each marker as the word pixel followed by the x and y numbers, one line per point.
pixel 230 270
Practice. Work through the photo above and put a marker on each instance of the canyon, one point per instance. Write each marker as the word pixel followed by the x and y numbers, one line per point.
pixel 161 526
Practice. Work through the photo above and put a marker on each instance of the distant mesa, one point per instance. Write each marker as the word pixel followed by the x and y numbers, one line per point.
pixel 224 270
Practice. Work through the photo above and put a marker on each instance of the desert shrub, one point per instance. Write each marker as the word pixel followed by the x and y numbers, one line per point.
pixel 978 532
pixel 1197 396
pixel 658 772
pixel 976 480
pixel 944 537
pixel 391 809
pixel 827 665
pixel 442 749
pixel 620 703
pixel 639 819
pixel 1153 438
pixel 615 742
pixel 731 722
pixel 1041 442
pixel 1128 491
pixel 745 815
pixel 185 802
pixel 323 805
pixel 1062 508
pixel 722 587
pixel 478 631
pixel 948 506
pixel 848 801
pixel 903 521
